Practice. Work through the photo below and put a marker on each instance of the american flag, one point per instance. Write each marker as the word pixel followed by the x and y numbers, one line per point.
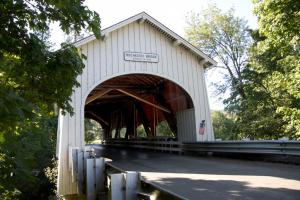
pixel 202 127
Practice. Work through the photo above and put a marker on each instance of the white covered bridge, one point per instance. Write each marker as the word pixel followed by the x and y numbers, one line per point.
pixel 139 73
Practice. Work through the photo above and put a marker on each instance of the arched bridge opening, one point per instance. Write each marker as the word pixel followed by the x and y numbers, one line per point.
pixel 137 106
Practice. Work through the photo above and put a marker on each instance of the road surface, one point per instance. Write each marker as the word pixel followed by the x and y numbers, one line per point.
pixel 210 178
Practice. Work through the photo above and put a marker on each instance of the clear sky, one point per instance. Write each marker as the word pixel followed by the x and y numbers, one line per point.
pixel 171 13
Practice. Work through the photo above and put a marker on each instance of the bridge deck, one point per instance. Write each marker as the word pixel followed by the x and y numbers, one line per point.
pixel 211 178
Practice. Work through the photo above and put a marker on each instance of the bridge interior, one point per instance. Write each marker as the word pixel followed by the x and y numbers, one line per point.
pixel 126 103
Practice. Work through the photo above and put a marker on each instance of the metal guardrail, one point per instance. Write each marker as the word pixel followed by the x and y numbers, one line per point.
pixel 148 190
pixel 97 178
pixel 250 147
pixel 267 147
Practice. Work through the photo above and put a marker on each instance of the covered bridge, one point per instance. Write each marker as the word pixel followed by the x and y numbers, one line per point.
pixel 139 73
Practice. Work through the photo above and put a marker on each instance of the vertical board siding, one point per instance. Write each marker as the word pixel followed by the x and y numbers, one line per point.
pixel 186 125
pixel 114 52
pixel 159 65
pixel 97 71
pixel 120 50
pixel 142 44
pixel 209 128
pixel 147 44
pixel 137 43
pixel 126 45
pixel 105 60
pixel 90 65
pixel 84 78
pixel 131 45
pixel 109 56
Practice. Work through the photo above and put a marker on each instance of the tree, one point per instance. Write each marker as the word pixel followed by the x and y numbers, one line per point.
pixel 275 56
pixel 33 79
pixel 29 72
pixel 163 129
pixel 225 37
pixel 224 126
pixel 265 89
pixel 24 157
pixel 92 131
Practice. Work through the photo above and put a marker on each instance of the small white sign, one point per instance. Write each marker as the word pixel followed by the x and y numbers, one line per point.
pixel 141 57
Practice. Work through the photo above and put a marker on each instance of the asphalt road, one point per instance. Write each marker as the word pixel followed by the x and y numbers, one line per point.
pixel 211 178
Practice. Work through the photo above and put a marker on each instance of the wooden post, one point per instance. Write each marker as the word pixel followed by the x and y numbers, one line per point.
pixel 134 121
pixel 170 117
pixel 128 119
pixel 144 119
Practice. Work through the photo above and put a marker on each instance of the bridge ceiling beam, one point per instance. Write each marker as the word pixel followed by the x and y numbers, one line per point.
pixel 97 117
pixel 137 97
pixel 96 96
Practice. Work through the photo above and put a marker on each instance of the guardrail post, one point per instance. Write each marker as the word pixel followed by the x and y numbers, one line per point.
pixel 90 179
pixel 100 175
pixel 80 172
pixel 132 184
pixel 117 187
pixel 74 164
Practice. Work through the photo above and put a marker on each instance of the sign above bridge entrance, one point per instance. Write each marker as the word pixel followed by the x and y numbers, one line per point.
pixel 141 57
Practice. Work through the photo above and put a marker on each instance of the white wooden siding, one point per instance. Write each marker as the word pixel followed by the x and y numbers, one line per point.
pixel 105 60
pixel 186 125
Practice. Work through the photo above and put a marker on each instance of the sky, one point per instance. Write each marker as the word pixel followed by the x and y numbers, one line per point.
pixel 171 13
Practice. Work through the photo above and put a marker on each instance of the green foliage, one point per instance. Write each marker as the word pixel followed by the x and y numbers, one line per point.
pixel 275 56
pixel 93 131
pixel 265 83
pixel 224 37
pixel 224 126
pixel 141 132
pixel 33 78
pixel 271 80
pixel 27 66
pixel 163 129
pixel 24 155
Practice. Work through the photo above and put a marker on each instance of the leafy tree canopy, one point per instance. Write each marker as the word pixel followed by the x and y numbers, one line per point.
pixel 263 73
pixel 29 72
pixel 224 125
pixel 275 56
pixel 224 37
pixel 33 78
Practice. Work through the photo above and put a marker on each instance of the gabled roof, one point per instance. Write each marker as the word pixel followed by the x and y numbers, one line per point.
pixel 205 59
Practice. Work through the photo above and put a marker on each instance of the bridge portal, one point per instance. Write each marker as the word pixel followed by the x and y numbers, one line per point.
pixel 127 103
pixel 139 74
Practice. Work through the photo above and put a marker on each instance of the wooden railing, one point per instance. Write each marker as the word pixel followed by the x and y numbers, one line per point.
pixel 159 144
